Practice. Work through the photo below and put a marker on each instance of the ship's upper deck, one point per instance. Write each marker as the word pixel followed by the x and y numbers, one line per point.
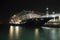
pixel 24 15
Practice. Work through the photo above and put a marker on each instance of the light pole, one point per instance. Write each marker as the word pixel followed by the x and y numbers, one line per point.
pixel 53 15
pixel 47 11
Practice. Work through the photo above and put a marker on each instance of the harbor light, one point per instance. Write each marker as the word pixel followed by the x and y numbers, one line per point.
pixel 47 11
pixel 47 8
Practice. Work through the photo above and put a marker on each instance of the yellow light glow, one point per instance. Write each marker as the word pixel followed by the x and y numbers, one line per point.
pixel 11 32
pixel 12 20
pixel 36 30
pixel 16 23
pixel 17 31
pixel 19 20
pixel 36 34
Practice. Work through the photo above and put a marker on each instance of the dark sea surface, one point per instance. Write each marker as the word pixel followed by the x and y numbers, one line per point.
pixel 23 33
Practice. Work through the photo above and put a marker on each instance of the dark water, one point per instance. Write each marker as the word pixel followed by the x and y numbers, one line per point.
pixel 22 33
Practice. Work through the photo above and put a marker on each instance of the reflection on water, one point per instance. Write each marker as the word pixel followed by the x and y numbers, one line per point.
pixel 22 33
pixel 15 32
pixel 36 33
pixel 59 32
pixel 11 31
pixel 53 34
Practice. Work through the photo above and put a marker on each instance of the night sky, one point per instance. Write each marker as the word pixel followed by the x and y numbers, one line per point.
pixel 8 7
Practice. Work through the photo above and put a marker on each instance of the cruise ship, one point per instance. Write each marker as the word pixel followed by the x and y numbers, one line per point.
pixel 29 18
